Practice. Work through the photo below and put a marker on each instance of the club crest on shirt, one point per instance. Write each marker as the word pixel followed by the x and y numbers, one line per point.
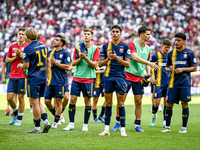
pixel 61 55
pixel 185 55
pixel 121 50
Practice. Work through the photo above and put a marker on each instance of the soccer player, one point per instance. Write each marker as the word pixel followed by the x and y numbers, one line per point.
pixel 60 62
pixel 160 78
pixel 116 56
pixel 98 89
pixel 5 79
pixel 140 55
pixel 180 62
pixel 17 81
pixel 86 56
pixel 35 60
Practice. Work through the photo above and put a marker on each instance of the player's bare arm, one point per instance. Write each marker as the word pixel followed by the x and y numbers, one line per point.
pixel 125 63
pixel 76 61
pixel 3 73
pixel 25 65
pixel 59 65
pixel 103 61
pixel 140 60
pixel 92 64
pixel 101 71
pixel 189 69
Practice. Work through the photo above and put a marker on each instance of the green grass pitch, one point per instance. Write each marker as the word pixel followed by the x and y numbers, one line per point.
pixel 12 137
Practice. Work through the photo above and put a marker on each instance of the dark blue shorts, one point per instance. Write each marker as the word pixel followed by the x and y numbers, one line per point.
pixel 36 91
pixel 54 91
pixel 160 92
pixel 98 91
pixel 66 88
pixel 112 84
pixel 137 87
pixel 86 88
pixel 174 95
pixel 17 86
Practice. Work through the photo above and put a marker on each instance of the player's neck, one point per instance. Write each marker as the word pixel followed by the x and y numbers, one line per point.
pixel 20 43
pixel 180 49
pixel 58 48
pixel 115 42
pixel 87 44
pixel 141 42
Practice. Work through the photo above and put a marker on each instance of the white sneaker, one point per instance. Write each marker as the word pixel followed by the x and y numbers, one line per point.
pixel 85 127
pixel 59 122
pixel 54 125
pixel 62 119
pixel 69 127
pixel 159 108
pixel 104 133
pixel 31 110
pixel 123 132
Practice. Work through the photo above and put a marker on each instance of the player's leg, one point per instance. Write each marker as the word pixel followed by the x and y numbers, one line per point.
pixel 21 108
pixel 172 97
pixel 122 113
pixel 101 118
pixel 117 124
pixel 87 90
pixel 11 90
pixel 185 98
pixel 64 104
pixel 108 113
pixel 58 112
pixel 94 109
pixel 7 112
pixel 138 91
pixel 164 112
pixel 31 110
pixel 108 88
pixel 49 93
pixel 154 111
pixel 75 92
pixel 21 90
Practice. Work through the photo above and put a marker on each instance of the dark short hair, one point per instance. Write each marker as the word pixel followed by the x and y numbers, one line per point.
pixel 88 30
pixel 167 42
pixel 180 35
pixel 22 29
pixel 143 29
pixel 117 27
pixel 62 38
pixel 99 44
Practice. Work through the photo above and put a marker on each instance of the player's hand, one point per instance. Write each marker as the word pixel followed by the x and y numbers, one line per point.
pixel 53 61
pixel 112 56
pixel 47 82
pixel 18 52
pixel 178 70
pixel 19 65
pixel 82 55
pixel 153 81
pixel 171 68
pixel 3 80
pixel 154 65
pixel 70 68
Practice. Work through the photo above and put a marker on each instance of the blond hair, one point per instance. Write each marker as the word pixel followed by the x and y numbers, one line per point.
pixel 31 33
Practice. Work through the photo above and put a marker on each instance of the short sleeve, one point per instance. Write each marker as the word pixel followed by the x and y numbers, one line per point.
pixel 9 54
pixel 25 55
pixel 67 59
pixel 169 62
pixel 127 51
pixel 192 60
pixel 75 54
pixel 132 47
pixel 103 51
pixel 153 58
pixel 96 54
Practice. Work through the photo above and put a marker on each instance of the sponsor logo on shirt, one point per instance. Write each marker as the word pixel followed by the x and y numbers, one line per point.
pixel 162 64
pixel 179 63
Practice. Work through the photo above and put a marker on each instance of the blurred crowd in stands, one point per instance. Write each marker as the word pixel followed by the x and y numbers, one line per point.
pixel 70 17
